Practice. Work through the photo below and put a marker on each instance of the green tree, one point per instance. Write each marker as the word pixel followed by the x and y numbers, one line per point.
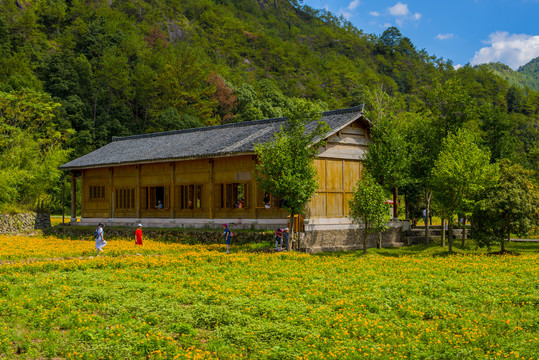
pixel 286 163
pixel 388 157
pixel 31 147
pixel 509 205
pixel 367 207
pixel 461 171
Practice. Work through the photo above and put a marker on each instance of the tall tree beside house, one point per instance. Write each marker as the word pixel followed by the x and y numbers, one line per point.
pixel 286 163
pixel 388 157
pixel 422 138
pixel 509 205
pixel 461 171
pixel 367 207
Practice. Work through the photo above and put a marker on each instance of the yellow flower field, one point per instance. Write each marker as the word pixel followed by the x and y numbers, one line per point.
pixel 196 302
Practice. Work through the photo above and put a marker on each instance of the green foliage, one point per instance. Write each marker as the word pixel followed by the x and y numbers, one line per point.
pixel 367 207
pixel 388 158
pixel 526 76
pixel 125 68
pixel 509 205
pixel 31 147
pixel 461 172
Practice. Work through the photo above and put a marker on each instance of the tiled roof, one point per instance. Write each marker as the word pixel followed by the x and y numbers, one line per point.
pixel 214 141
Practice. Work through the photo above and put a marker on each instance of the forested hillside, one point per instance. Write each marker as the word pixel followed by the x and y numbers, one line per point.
pixel 526 76
pixel 90 70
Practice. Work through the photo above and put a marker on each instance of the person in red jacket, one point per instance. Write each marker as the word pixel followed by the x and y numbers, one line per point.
pixel 138 235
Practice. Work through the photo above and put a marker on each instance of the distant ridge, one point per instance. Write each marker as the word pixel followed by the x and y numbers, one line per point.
pixel 526 76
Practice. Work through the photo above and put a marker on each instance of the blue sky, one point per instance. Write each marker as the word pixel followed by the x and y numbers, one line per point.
pixel 464 31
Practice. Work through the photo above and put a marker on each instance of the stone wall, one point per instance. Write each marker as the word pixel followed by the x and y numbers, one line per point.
pixel 348 239
pixel 16 223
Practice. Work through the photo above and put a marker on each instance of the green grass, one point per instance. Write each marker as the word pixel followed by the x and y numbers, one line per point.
pixel 415 303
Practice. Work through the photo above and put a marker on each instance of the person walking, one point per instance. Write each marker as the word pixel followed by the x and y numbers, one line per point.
pixel 279 239
pixel 228 235
pixel 286 235
pixel 138 235
pixel 100 242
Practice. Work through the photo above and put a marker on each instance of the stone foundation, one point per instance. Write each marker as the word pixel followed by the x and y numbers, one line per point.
pixel 348 239
pixel 16 223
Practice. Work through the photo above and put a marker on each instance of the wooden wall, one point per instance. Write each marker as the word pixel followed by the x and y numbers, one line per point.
pixel 92 206
pixel 131 191
pixel 339 168
pixel 337 178
pixel 128 190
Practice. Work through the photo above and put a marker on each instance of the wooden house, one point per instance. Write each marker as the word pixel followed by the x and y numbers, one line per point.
pixel 205 177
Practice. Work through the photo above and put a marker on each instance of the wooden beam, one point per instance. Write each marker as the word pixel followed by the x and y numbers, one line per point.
pixel 137 192
pixel 172 190
pixel 73 197
pixel 210 205
pixel 111 182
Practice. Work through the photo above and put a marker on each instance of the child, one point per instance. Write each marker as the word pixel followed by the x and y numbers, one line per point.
pixel 279 239
pixel 138 235
pixel 228 234
pixel 100 242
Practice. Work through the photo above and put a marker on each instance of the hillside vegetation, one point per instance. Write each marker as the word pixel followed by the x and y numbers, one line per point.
pixel 96 69
pixel 526 76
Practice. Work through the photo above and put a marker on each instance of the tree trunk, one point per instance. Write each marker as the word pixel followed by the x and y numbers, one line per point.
pixel 463 231
pixel 395 204
pixel 443 232
pixel 290 233
pixel 450 233
pixel 379 245
pixel 365 234
pixel 428 197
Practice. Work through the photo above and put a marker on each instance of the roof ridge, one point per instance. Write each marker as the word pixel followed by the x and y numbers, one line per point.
pixel 204 128
pixel 342 111
pixel 231 125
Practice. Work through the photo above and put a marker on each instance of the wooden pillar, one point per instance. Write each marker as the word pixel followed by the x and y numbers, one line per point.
pixel 137 192
pixel 210 205
pixel 73 197
pixel 111 184
pixel 172 189
pixel 253 190
pixel 343 186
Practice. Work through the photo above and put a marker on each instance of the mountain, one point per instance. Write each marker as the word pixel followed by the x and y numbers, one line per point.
pixel 531 72
pixel 526 76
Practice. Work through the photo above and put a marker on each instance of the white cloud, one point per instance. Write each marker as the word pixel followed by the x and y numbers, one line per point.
pixel 511 49
pixel 399 10
pixel 445 36
pixel 345 14
pixel 402 14
pixel 374 13
pixel 354 4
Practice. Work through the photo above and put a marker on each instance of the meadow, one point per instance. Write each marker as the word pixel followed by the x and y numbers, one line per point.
pixel 174 301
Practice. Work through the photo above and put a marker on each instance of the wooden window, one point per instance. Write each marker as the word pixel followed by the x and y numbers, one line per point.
pixel 97 192
pixel 190 196
pixel 232 196
pixel 125 199
pixel 154 197
pixel 265 200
